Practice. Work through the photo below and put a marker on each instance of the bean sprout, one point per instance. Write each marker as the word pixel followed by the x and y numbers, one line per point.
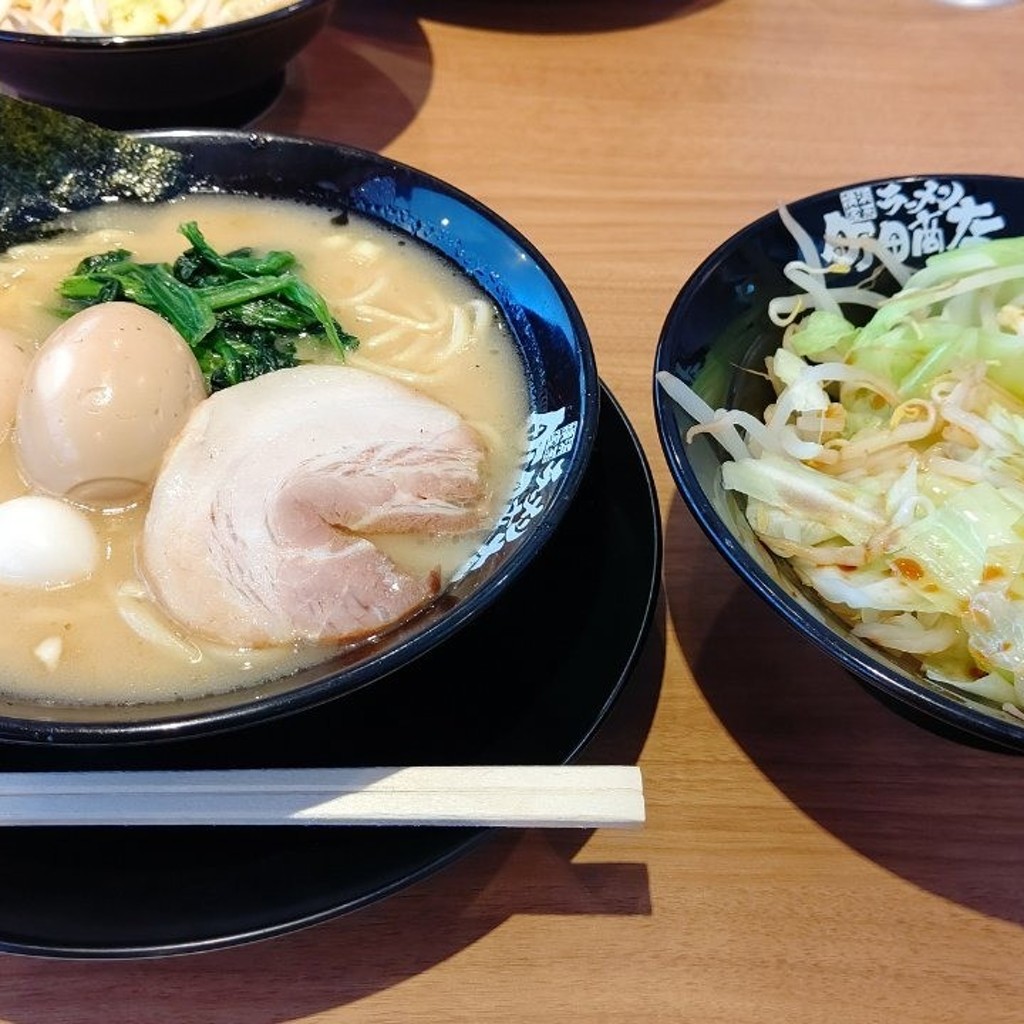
pixel 84 18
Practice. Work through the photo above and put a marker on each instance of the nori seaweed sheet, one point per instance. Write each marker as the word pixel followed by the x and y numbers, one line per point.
pixel 52 163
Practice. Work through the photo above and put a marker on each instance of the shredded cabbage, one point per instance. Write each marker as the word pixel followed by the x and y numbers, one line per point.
pixel 889 469
pixel 126 17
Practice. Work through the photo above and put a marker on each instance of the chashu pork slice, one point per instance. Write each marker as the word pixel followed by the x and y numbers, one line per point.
pixel 260 527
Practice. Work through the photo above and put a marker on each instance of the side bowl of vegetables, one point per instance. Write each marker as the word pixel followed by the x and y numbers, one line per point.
pixel 839 396
pixel 219 73
pixel 238 311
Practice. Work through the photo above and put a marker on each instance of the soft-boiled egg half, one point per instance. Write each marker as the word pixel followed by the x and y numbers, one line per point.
pixel 93 411
pixel 102 399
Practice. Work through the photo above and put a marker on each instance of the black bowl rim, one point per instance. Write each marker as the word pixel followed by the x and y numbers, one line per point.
pixel 171 722
pixel 892 682
pixel 157 41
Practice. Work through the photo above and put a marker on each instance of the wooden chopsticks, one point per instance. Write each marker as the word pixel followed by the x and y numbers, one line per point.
pixel 514 796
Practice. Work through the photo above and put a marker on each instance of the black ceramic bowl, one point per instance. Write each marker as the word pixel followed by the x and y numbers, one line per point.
pixel 718 328
pixel 157 80
pixel 564 396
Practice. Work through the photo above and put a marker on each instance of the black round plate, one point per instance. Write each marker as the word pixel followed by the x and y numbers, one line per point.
pixel 528 683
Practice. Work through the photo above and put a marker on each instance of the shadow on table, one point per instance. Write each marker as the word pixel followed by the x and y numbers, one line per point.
pixel 341 961
pixel 361 81
pixel 561 16
pixel 939 809
pixel 365 77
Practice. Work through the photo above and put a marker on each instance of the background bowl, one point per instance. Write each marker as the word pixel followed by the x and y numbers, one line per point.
pixel 151 81
pixel 718 326
pixel 561 372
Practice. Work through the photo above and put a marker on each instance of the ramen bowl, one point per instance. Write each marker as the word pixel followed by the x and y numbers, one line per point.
pixel 221 75
pixel 550 342
pixel 715 339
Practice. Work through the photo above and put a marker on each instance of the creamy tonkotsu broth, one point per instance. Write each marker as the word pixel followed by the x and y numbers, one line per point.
pixel 417 320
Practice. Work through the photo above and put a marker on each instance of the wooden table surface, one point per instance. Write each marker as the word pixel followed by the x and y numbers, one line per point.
pixel 809 855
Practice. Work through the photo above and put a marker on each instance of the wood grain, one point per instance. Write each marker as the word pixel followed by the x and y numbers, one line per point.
pixel 809 855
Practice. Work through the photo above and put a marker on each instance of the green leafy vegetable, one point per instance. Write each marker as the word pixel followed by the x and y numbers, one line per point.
pixel 241 313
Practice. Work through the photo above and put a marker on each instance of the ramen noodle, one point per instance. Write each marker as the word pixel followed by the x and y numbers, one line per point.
pixel 421 325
